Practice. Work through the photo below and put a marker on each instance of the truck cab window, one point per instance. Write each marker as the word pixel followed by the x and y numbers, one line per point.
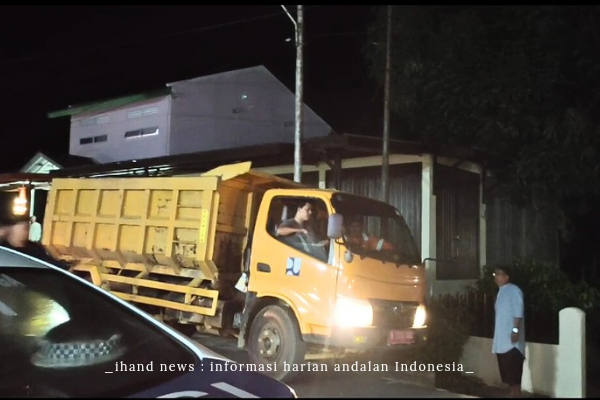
pixel 300 223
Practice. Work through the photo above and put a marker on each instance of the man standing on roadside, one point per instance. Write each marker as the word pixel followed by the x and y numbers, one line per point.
pixel 509 331
pixel 35 230
pixel 15 234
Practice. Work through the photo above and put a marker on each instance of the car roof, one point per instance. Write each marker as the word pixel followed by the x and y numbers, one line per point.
pixel 13 258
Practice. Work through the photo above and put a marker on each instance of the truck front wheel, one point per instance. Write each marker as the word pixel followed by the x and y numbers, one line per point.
pixel 275 343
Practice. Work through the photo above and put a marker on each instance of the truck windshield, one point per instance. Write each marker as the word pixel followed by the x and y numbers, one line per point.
pixel 375 229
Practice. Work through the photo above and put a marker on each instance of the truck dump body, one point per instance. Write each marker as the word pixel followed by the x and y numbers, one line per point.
pixel 193 227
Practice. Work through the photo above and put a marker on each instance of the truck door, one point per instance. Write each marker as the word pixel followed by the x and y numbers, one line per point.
pixel 292 265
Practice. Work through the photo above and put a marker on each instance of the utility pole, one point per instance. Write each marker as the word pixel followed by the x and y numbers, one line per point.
pixel 299 30
pixel 385 163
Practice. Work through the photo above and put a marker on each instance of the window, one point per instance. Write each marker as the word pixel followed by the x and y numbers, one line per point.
pixel 93 139
pixel 94 120
pixel 142 113
pixel 141 132
pixel 285 212
pixel 376 230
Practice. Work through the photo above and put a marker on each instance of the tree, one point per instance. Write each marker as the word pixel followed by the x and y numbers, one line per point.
pixel 518 81
pixel 521 82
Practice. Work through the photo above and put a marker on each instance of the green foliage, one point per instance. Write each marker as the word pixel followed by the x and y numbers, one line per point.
pixel 521 82
pixel 544 286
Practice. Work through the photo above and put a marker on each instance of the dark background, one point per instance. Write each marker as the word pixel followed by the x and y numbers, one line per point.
pixel 55 56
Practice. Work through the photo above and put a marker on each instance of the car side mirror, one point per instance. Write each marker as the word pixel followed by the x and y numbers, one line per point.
pixel 334 226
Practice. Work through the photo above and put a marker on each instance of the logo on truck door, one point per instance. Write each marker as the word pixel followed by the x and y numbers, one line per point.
pixel 294 264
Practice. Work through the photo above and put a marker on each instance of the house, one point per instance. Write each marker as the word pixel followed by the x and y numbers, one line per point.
pixel 35 176
pixel 44 163
pixel 226 110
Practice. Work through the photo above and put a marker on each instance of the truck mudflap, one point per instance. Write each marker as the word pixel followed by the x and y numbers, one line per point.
pixel 368 338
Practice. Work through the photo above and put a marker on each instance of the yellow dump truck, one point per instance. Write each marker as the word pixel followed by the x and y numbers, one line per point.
pixel 210 250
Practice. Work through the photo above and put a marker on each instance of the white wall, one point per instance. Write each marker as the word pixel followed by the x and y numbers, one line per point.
pixel 237 108
pixel 555 370
pixel 232 109
pixel 114 124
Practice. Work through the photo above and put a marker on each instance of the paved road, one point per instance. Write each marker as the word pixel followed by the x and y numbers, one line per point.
pixel 339 384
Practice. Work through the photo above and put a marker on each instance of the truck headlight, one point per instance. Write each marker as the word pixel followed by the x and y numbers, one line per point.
pixel 351 312
pixel 420 317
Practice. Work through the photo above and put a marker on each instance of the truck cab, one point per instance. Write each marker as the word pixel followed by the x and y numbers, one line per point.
pixel 321 291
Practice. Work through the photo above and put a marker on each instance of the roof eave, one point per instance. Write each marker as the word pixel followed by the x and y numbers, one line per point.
pixel 109 104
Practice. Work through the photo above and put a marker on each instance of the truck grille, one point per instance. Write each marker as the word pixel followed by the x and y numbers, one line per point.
pixel 393 314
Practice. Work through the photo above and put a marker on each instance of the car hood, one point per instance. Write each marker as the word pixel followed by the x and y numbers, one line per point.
pixel 215 377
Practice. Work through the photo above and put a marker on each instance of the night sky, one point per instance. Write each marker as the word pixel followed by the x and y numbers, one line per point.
pixel 55 56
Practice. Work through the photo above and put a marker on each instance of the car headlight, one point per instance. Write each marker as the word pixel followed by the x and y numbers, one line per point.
pixel 351 312
pixel 420 317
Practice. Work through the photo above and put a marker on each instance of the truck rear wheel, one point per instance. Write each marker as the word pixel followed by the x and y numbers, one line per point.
pixel 276 343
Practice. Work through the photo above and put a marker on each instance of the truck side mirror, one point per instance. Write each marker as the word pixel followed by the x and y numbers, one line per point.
pixel 334 226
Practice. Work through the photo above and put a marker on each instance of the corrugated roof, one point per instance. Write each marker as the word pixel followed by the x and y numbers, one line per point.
pixel 60 160
pixel 270 154
pixel 110 103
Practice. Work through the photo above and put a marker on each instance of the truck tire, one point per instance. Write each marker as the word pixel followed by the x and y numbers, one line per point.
pixel 275 342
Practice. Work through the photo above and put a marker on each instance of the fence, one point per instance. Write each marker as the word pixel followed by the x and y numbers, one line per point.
pixel 540 326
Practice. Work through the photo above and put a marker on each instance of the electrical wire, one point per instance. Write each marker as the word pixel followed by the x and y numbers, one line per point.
pixel 148 38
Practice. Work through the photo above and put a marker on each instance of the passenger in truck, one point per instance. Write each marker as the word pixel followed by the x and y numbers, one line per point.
pixel 356 236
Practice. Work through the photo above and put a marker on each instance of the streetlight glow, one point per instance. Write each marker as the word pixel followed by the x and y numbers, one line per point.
pixel 20 202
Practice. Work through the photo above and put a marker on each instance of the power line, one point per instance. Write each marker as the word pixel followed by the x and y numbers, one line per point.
pixel 340 34
pixel 218 66
pixel 103 71
pixel 148 38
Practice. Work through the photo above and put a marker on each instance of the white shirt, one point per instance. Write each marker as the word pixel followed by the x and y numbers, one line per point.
pixel 509 305
pixel 35 232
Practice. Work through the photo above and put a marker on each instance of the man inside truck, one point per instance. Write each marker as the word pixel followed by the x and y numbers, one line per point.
pixel 299 233
pixel 298 224
pixel 356 235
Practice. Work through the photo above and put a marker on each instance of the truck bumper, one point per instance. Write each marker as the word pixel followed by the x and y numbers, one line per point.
pixel 370 338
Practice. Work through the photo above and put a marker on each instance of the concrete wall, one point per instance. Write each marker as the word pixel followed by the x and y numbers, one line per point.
pixel 112 126
pixel 555 370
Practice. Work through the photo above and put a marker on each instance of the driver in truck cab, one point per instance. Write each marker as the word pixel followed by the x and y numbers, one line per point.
pixel 298 224
pixel 299 233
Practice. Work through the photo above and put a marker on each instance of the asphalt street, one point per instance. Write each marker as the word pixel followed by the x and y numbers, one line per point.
pixel 340 384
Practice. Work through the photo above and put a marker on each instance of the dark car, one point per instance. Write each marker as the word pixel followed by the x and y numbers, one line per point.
pixel 61 336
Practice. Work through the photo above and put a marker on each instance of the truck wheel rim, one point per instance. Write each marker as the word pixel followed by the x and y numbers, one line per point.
pixel 269 341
